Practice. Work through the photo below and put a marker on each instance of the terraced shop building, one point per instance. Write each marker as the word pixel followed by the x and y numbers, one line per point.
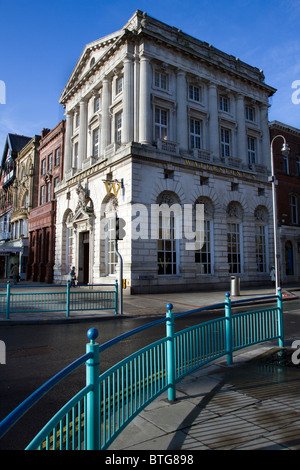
pixel 155 116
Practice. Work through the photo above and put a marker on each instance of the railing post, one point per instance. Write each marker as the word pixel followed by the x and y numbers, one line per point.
pixel 116 297
pixel 228 328
pixel 170 353
pixel 93 400
pixel 7 300
pixel 68 299
pixel 280 319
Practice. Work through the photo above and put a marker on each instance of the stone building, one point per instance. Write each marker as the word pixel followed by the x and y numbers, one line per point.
pixel 24 198
pixel 287 172
pixel 12 247
pixel 43 214
pixel 155 116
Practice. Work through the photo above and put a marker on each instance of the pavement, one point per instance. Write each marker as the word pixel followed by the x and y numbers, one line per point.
pixel 253 404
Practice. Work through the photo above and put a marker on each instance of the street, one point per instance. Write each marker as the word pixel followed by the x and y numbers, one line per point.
pixel 34 353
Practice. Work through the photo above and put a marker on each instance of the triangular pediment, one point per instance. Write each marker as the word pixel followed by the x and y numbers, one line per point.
pixel 90 56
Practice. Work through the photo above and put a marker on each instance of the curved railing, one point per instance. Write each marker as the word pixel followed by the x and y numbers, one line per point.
pixel 94 417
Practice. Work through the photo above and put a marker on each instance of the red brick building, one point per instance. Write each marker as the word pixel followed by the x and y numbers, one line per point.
pixel 287 172
pixel 43 217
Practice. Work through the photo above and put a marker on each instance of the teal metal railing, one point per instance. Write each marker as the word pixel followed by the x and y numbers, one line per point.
pixel 61 299
pixel 94 417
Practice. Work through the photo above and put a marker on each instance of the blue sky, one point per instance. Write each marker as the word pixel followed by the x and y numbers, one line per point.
pixel 40 43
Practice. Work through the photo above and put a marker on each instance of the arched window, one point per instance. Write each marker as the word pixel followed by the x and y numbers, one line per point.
pixel 68 241
pixel 234 237
pixel 204 256
pixel 109 210
pixel 261 220
pixel 168 234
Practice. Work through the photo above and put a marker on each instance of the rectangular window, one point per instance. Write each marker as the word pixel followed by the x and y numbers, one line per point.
pixel 77 120
pixel 75 155
pixel 119 85
pixel 57 156
pixel 285 164
pixel 50 162
pixel 43 166
pixel 203 256
pixel 56 181
pixel 166 253
pixel 224 104
pixel 48 192
pixel 234 248
pixel 69 246
pixel 261 252
pixel 96 104
pixel 225 143
pixel 195 93
pixel 42 197
pixel 251 150
pixel 294 209
pixel 195 134
pixel 161 123
pixel 250 113
pixel 96 143
pixel 161 80
pixel 119 128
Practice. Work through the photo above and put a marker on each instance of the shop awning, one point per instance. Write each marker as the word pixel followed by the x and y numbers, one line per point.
pixel 11 247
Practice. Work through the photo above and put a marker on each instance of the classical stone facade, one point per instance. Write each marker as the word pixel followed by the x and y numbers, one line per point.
pixel 154 116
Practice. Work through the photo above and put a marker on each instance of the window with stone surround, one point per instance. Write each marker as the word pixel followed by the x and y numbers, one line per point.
pixel 167 243
pixel 203 257
pixel 294 217
pixel 234 237
pixel 69 242
pixel 161 80
pixel 75 155
pixel 251 150
pixel 118 127
pixel 96 104
pixel 96 143
pixel 224 104
pixel 42 195
pixel 250 113
pixel 119 85
pixel 57 157
pixel 43 166
pixel 195 93
pixel 195 133
pixel 161 123
pixel 225 142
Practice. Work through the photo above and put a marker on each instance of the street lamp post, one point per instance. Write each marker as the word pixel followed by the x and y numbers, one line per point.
pixel 285 150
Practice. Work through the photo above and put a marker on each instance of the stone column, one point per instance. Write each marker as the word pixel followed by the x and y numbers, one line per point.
pixel 127 134
pixel 145 102
pixel 82 148
pixel 68 146
pixel 213 124
pixel 105 129
pixel 181 118
pixel 241 129
pixel 265 140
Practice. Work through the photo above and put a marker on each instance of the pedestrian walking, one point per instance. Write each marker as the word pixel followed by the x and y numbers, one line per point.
pixel 15 273
pixel 273 275
pixel 72 276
